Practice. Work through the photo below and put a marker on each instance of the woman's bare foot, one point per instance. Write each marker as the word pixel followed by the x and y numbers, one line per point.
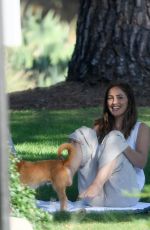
pixel 92 191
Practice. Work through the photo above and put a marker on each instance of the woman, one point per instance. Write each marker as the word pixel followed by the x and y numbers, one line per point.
pixel 114 153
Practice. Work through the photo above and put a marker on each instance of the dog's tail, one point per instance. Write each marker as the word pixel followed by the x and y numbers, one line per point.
pixel 71 152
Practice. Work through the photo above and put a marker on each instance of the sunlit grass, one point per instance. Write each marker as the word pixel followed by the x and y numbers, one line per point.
pixel 41 132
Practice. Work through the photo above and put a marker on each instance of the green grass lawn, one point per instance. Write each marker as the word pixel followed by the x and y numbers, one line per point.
pixel 37 135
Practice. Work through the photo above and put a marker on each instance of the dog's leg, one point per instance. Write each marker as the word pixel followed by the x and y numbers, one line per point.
pixel 61 192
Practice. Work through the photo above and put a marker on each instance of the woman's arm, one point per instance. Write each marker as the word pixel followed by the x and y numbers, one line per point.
pixel 139 156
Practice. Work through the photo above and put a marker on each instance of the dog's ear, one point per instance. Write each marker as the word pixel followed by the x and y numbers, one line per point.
pixel 19 165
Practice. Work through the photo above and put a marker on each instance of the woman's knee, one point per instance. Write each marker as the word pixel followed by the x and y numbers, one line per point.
pixel 87 142
pixel 115 139
pixel 115 136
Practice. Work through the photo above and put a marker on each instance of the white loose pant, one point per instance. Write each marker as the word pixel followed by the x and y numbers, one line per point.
pixel 95 156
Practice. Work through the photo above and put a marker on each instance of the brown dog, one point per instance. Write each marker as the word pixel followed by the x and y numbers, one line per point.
pixel 57 172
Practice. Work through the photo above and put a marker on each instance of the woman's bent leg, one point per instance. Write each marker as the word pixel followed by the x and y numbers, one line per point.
pixel 95 158
pixel 121 179
pixel 121 187
pixel 86 143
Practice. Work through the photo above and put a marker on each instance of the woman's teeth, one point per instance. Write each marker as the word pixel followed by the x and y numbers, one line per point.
pixel 115 107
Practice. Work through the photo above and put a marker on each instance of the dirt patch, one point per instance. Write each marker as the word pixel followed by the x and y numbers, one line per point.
pixel 68 95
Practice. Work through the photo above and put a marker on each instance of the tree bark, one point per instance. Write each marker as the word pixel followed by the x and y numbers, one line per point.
pixel 113 41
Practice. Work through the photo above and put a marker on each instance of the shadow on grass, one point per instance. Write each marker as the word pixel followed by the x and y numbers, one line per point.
pixel 47 193
pixel 105 217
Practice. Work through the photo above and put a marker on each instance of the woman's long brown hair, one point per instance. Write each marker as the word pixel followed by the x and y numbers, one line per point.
pixel 106 123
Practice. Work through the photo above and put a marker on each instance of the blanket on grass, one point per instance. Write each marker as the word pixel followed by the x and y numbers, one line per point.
pixel 53 206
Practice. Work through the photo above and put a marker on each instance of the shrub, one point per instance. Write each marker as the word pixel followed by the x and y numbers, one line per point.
pixel 22 201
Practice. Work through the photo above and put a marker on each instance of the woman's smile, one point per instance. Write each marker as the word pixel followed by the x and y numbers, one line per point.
pixel 117 102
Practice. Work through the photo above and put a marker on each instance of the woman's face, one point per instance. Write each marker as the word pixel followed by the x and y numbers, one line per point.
pixel 117 102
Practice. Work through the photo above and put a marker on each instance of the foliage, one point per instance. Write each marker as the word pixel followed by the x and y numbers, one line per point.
pixel 23 200
pixel 45 50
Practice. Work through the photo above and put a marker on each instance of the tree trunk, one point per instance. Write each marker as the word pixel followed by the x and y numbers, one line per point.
pixel 113 41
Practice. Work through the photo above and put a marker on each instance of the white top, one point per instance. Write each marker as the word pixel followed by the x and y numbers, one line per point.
pixel 132 143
